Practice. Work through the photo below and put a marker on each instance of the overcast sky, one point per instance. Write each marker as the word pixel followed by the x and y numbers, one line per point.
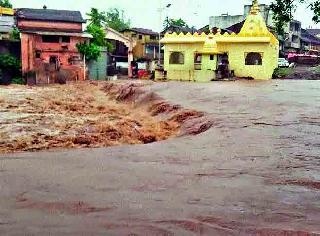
pixel 144 13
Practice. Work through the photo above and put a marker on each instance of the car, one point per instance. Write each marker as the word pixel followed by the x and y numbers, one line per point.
pixel 282 62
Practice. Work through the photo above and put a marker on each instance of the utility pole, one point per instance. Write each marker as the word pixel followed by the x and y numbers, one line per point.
pixel 160 24
pixel 84 67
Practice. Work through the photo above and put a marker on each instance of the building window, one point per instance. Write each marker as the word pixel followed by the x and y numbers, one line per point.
pixel 50 39
pixel 140 36
pixel 65 39
pixel 38 54
pixel 176 58
pixel 211 57
pixel 197 61
pixel 153 37
pixel 134 35
pixel 254 58
pixel 197 58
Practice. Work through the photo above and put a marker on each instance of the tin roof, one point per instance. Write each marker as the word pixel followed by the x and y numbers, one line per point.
pixel 314 32
pixel 49 15
pixel 141 31
pixel 307 37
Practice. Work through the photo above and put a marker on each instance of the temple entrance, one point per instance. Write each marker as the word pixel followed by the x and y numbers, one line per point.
pixel 223 69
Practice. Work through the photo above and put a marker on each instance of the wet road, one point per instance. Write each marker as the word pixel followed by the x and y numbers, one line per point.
pixel 256 172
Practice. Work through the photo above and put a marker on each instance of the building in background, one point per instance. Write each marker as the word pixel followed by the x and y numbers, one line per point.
pixel 292 38
pixel 122 53
pixel 314 32
pixel 310 43
pixel 48 45
pixel 7 22
pixel 147 43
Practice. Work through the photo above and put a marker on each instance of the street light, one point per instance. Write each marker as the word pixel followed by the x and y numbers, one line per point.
pixel 160 15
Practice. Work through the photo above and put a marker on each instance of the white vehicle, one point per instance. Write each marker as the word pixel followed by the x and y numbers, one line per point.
pixel 282 62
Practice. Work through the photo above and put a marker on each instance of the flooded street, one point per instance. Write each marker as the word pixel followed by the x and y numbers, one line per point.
pixel 255 172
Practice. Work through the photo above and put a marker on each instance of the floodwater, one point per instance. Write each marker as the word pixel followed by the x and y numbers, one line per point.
pixel 255 172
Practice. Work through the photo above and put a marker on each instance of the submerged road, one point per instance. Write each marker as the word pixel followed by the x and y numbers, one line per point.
pixel 255 172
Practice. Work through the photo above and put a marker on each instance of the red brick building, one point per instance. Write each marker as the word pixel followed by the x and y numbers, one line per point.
pixel 48 45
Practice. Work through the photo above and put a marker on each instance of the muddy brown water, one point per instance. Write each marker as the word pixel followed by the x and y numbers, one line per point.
pixel 255 172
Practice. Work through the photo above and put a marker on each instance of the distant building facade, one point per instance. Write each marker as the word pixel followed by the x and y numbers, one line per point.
pixel 147 43
pixel 309 42
pixel 291 41
pixel 48 44
pixel 225 20
pixel 7 22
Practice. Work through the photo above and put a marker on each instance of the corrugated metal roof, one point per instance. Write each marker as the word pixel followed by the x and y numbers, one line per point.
pixel 314 31
pixel 306 36
pixel 50 15
pixel 142 31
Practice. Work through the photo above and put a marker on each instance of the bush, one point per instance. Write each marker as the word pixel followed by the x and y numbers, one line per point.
pixel 18 80
pixel 9 62
pixel 10 68
pixel 315 69
pixel 282 72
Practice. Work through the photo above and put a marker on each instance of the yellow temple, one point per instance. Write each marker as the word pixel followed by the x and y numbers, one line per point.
pixel 252 53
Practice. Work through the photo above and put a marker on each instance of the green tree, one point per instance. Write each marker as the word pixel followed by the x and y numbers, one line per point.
pixel 5 3
pixel 115 19
pixel 15 34
pixel 168 22
pixel 96 28
pixel 283 11
pixel 97 18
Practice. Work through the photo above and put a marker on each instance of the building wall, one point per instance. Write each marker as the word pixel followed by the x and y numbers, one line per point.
pixel 225 21
pixel 6 25
pixel 49 26
pixel 139 51
pixel 236 53
pixel 36 58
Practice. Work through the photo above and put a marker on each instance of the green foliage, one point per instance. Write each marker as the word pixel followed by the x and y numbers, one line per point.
pixel 10 65
pixel 283 11
pixel 15 34
pixel 115 19
pixel 97 18
pixel 315 69
pixel 282 72
pixel 18 80
pixel 315 7
pixel 96 28
pixel 98 35
pixel 174 22
pixel 90 50
pixel 5 3
pixel 9 62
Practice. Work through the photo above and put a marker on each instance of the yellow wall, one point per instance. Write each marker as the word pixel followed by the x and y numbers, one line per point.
pixel 6 11
pixel 186 71
pixel 139 49
pixel 236 53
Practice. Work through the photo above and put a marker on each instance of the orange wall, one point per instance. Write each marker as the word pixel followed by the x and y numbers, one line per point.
pixel 31 43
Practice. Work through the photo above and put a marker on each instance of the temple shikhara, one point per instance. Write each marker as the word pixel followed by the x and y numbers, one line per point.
pixel 252 53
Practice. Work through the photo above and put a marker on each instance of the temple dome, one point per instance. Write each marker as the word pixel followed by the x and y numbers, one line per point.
pixel 254 24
